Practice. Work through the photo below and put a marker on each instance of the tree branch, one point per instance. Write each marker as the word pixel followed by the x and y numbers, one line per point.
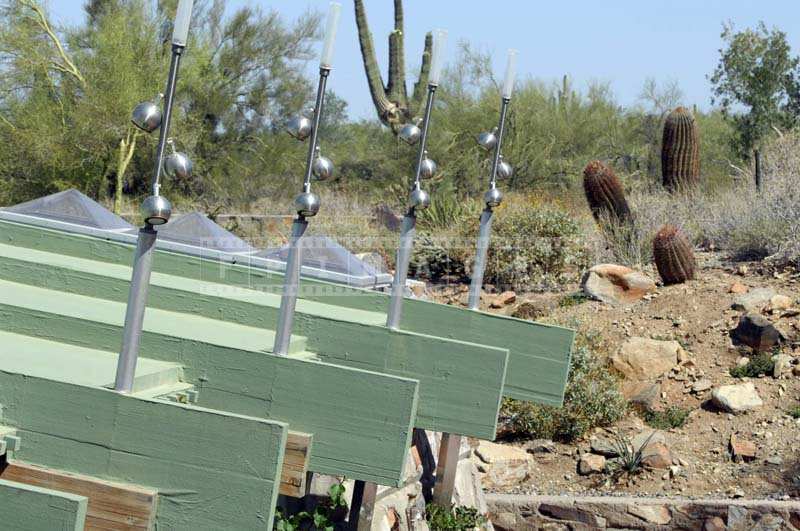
pixel 68 66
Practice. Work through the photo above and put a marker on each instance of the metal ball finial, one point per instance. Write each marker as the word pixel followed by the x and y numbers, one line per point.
pixel 299 127
pixel 493 197
pixel 322 168
pixel 488 140
pixel 504 169
pixel 177 165
pixel 307 204
pixel 410 134
pixel 147 116
pixel 156 210
pixel 419 199
pixel 427 168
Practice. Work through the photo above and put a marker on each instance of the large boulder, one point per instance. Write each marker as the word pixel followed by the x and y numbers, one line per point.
pixel 643 359
pixel 736 398
pixel 753 300
pixel 616 284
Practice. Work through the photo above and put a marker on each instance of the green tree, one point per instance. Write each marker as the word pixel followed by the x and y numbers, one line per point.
pixel 757 72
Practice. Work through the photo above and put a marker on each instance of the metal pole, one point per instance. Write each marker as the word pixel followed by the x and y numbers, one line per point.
pixel 291 285
pixel 408 231
pixel 307 205
pixel 134 314
pixel 492 198
pixel 145 245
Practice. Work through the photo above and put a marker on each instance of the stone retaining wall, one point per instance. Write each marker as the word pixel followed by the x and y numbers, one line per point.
pixel 556 513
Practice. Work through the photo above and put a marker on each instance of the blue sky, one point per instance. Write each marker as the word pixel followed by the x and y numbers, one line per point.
pixel 619 41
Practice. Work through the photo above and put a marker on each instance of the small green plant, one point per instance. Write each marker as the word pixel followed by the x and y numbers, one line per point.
pixel 324 517
pixel 759 365
pixel 573 299
pixel 794 412
pixel 672 417
pixel 631 460
pixel 454 518
pixel 592 398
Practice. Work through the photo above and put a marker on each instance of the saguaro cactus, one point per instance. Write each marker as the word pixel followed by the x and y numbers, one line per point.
pixel 391 101
pixel 673 255
pixel 680 151
pixel 604 192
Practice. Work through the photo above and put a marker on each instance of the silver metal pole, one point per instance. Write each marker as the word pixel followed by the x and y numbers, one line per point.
pixel 418 198
pixel 134 314
pixel 291 285
pixel 307 205
pixel 492 199
pixel 145 245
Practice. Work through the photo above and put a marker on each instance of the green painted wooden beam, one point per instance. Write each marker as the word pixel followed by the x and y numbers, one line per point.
pixel 29 508
pixel 461 383
pixel 361 420
pixel 539 354
pixel 213 470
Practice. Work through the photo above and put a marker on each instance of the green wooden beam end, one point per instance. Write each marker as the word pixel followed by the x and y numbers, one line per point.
pixel 29 508
pixel 213 470
pixel 362 421
pixel 461 383
pixel 539 354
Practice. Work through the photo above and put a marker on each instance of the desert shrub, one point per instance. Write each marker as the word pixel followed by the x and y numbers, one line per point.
pixel 533 246
pixel 456 518
pixel 592 399
pixel 672 417
pixel 759 365
pixel 435 257
pixel 794 412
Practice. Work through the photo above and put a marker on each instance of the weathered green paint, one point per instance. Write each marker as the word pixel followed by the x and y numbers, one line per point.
pixel 461 384
pixel 213 470
pixel 361 421
pixel 29 508
pixel 539 354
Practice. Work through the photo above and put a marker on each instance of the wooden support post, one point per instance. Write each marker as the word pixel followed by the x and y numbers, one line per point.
pixel 446 467
pixel 362 507
pixel 758 169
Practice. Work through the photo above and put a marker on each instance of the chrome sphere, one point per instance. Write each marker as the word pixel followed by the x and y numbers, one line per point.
pixel 307 204
pixel 410 134
pixel 322 168
pixel 419 199
pixel 147 116
pixel 178 165
pixel 156 210
pixel 493 197
pixel 504 170
pixel 427 169
pixel 299 127
pixel 487 140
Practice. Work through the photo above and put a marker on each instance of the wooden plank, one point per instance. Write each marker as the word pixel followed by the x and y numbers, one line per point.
pixel 29 508
pixel 446 468
pixel 461 383
pixel 111 505
pixel 314 397
pixel 539 354
pixel 212 470
pixel 295 464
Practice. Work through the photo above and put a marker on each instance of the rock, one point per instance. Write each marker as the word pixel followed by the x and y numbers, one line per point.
pixel 616 284
pixel 504 299
pixel 647 437
pixel 508 466
pixel 604 447
pixel 775 460
pixel 701 385
pixel 796 370
pixel 738 288
pixel 783 365
pixel 541 446
pixel 753 300
pixel 591 464
pixel 778 303
pixel 643 359
pixel 493 453
pixel 736 398
pixel 714 524
pixel 652 514
pixel 642 395
pixel 742 449
pixel 529 310
pixel 756 332
pixel 657 455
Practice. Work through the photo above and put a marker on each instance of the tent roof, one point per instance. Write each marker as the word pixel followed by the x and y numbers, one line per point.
pixel 198 230
pixel 322 252
pixel 72 206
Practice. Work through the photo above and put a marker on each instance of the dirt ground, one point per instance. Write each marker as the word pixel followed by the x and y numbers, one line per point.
pixel 698 315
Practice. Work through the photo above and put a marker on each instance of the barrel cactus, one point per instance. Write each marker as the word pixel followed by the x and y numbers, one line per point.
pixel 604 192
pixel 680 151
pixel 673 255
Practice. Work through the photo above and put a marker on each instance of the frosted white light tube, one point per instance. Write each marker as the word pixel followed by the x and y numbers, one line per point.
pixel 183 16
pixel 511 72
pixel 437 56
pixel 326 59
